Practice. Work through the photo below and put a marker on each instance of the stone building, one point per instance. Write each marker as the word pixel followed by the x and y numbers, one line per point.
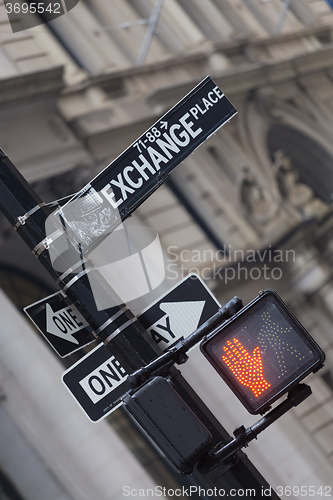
pixel 74 94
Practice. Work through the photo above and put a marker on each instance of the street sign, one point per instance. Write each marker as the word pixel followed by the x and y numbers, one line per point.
pixel 131 178
pixel 61 324
pixel 98 380
pixel 262 352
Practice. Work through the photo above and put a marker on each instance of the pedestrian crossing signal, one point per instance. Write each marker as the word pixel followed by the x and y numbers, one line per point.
pixel 262 352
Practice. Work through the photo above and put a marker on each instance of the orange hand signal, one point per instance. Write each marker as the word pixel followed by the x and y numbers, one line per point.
pixel 246 368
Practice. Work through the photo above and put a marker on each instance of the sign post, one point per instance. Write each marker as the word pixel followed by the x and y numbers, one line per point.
pixel 132 346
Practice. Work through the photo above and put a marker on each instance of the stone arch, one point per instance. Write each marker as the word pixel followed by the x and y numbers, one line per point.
pixel 312 163
pixel 280 132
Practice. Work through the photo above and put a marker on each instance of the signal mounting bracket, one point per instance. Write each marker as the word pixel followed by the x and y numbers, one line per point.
pixel 177 354
pixel 243 436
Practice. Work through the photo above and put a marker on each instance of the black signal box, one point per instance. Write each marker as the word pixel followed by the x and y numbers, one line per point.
pixel 169 422
pixel 262 352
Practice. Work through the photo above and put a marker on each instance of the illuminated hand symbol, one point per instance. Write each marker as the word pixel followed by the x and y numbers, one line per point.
pixel 246 368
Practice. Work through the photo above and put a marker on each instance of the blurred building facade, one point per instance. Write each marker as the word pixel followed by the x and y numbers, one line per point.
pixel 73 95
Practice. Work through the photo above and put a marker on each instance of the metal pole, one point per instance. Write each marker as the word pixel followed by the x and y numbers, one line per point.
pixel 26 211
pixel 150 32
pixel 282 16
pixel 17 199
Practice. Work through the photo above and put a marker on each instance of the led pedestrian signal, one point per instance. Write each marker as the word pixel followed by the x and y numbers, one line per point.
pixel 247 369
pixel 262 352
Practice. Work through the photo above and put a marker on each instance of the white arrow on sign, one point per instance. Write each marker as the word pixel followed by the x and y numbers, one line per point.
pixel 180 319
pixel 64 323
pixel 164 124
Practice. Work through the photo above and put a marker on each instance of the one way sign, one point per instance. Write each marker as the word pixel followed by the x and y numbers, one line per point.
pixel 98 380
pixel 61 324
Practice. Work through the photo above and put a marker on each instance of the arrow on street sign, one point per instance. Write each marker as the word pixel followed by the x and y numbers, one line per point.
pixel 61 324
pixel 180 319
pixel 98 380
pixel 96 210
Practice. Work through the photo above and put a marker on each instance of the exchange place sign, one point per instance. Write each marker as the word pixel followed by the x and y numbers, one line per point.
pixel 132 177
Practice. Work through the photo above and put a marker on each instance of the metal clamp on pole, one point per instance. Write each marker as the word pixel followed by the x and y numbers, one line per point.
pixel 46 242
pixel 77 277
pixel 22 218
pixel 177 354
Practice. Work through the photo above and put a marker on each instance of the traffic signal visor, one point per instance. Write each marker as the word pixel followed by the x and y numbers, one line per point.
pixel 262 352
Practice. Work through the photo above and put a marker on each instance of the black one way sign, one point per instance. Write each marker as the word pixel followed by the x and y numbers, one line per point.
pixel 61 324
pixel 130 179
pixel 98 380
